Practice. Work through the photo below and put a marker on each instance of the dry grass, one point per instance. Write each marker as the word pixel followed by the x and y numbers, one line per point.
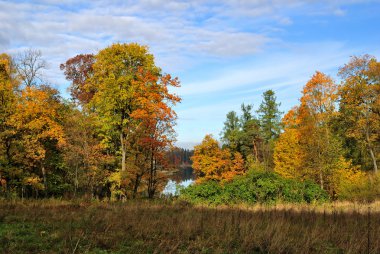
pixel 157 227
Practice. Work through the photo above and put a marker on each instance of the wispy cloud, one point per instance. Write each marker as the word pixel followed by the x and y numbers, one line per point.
pixel 199 28
pixel 299 61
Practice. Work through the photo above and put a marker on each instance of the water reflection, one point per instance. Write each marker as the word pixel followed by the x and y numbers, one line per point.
pixel 184 177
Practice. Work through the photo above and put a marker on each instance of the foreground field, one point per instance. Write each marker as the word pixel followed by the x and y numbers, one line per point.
pixel 151 227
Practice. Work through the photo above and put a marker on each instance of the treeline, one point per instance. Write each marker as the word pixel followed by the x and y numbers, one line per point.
pixel 111 139
pixel 180 157
pixel 331 138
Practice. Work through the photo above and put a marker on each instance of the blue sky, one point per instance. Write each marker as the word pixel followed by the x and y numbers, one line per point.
pixel 224 52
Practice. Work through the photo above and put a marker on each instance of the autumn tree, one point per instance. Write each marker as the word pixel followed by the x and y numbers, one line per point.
pixel 85 157
pixel 309 148
pixel 288 156
pixel 37 121
pixel 317 108
pixel 210 162
pixel 8 98
pixel 115 73
pixel 360 105
pixel 79 70
pixel 156 118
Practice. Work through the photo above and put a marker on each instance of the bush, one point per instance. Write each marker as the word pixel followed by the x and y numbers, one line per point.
pixel 365 189
pixel 255 187
pixel 207 192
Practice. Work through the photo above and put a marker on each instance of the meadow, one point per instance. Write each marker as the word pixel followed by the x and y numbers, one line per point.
pixel 54 226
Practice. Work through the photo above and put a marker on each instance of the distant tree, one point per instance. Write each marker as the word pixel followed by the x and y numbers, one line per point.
pixel 270 116
pixel 251 140
pixel 231 129
pixel 247 114
pixel 29 65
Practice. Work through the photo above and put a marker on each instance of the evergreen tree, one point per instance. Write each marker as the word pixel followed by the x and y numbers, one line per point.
pixel 270 116
pixel 230 133
pixel 270 126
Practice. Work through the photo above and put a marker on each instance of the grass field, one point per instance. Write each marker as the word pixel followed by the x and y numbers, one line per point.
pixel 51 226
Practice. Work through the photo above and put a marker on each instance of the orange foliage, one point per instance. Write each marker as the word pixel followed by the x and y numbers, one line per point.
pixel 210 162
pixel 37 119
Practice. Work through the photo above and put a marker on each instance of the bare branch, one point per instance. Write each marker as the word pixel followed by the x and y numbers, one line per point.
pixel 29 65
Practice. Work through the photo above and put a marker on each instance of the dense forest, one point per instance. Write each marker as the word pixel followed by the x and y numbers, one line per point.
pixel 114 137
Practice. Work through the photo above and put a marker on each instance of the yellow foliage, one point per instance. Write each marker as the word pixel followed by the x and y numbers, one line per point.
pixel 117 190
pixel 346 178
pixel 34 181
pixel 288 155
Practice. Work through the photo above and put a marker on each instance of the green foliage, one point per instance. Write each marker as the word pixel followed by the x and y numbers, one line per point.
pixel 270 116
pixel 209 191
pixel 255 187
pixel 231 131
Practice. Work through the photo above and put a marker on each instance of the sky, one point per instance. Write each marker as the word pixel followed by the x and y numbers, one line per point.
pixel 224 52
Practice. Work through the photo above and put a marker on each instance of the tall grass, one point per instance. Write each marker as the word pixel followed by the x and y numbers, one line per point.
pixel 167 227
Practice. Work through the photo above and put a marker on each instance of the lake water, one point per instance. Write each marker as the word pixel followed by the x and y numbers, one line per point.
pixel 184 177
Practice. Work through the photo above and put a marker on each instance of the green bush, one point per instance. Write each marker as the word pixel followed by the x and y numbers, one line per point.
pixel 209 192
pixel 255 187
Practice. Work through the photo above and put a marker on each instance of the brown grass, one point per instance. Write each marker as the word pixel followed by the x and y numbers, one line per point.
pixel 165 227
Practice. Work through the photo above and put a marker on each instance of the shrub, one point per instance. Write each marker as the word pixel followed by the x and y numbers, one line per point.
pixel 314 193
pixel 363 189
pixel 255 187
pixel 209 192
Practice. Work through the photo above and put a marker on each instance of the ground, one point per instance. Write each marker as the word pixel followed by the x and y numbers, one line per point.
pixel 53 226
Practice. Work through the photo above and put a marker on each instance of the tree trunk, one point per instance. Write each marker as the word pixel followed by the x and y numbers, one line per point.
pixel 373 157
pixel 255 150
pixel 44 177
pixel 76 180
pixel 321 179
pixel 136 185
pixel 150 181
pixel 8 151
pixel 123 152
